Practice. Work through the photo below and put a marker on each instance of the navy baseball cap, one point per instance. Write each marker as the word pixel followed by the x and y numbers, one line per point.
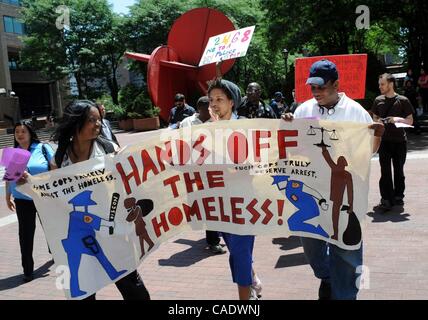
pixel 321 72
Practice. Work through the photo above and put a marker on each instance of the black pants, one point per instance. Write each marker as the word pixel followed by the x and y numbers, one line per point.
pixel 26 213
pixel 424 95
pixel 213 238
pixel 394 152
pixel 131 287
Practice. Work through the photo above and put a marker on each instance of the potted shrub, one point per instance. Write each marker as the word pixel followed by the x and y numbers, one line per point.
pixel 148 120
pixel 124 111
pixel 125 123
pixel 145 116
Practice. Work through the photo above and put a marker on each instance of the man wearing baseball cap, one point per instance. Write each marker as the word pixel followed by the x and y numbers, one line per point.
pixel 335 267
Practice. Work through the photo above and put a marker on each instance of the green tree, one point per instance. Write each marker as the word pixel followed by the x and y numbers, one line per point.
pixel 76 49
pixel 110 48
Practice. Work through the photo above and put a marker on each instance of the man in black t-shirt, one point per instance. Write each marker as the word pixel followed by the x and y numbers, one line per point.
pixel 393 110
pixel 252 106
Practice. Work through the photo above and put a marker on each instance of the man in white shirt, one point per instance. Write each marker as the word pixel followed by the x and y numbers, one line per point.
pixel 203 115
pixel 336 267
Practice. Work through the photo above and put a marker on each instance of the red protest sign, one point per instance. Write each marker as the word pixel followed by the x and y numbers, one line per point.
pixel 352 75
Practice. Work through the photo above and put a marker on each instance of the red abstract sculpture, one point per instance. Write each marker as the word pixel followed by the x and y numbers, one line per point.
pixel 173 68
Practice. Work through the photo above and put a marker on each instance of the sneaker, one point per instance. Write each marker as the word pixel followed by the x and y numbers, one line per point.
pixel 253 295
pixel 384 205
pixel 217 249
pixel 257 286
pixel 324 292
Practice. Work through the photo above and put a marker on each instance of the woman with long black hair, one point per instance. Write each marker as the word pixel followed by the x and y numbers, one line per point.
pixel 78 138
pixel 26 138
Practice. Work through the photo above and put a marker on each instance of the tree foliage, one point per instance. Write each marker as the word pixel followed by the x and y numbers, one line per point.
pixel 81 49
pixel 92 47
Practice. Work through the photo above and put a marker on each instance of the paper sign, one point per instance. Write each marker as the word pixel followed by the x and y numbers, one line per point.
pixel 403 125
pixel 352 75
pixel 229 45
pixel 15 160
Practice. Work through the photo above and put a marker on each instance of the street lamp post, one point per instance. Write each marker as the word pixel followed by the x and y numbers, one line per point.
pixel 285 56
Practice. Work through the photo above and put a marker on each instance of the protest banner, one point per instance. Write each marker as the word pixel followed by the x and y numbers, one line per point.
pixel 102 217
pixel 352 75
pixel 229 45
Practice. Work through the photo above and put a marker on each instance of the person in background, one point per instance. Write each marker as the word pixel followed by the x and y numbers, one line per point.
pixel 392 109
pixel 278 104
pixel 106 130
pixel 252 106
pixel 202 116
pixel 41 154
pixel 411 94
pixel 294 104
pixel 423 88
pixel 409 77
pixel 180 111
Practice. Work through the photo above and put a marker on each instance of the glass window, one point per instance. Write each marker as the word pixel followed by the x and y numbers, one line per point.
pixel 13 25
pixel 8 24
pixel 18 27
pixel 12 2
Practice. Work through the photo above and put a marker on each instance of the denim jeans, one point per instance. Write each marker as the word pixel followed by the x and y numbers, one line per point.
pixel 335 265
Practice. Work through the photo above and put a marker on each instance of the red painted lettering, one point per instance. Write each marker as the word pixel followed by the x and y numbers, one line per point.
pixel 134 174
pixel 282 144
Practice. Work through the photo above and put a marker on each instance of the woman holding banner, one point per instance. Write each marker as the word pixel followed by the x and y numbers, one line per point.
pixel 224 96
pixel 26 138
pixel 78 140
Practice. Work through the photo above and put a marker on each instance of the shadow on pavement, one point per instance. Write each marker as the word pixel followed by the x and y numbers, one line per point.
pixel 16 281
pixel 289 260
pixel 290 243
pixel 394 215
pixel 197 252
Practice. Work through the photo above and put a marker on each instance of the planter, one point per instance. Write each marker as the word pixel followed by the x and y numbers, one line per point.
pixel 127 124
pixel 146 124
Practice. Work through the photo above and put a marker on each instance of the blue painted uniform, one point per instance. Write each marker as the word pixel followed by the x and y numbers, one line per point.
pixel 81 240
pixel 305 203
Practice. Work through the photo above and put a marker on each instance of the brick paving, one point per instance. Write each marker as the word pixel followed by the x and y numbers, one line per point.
pixel 395 253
